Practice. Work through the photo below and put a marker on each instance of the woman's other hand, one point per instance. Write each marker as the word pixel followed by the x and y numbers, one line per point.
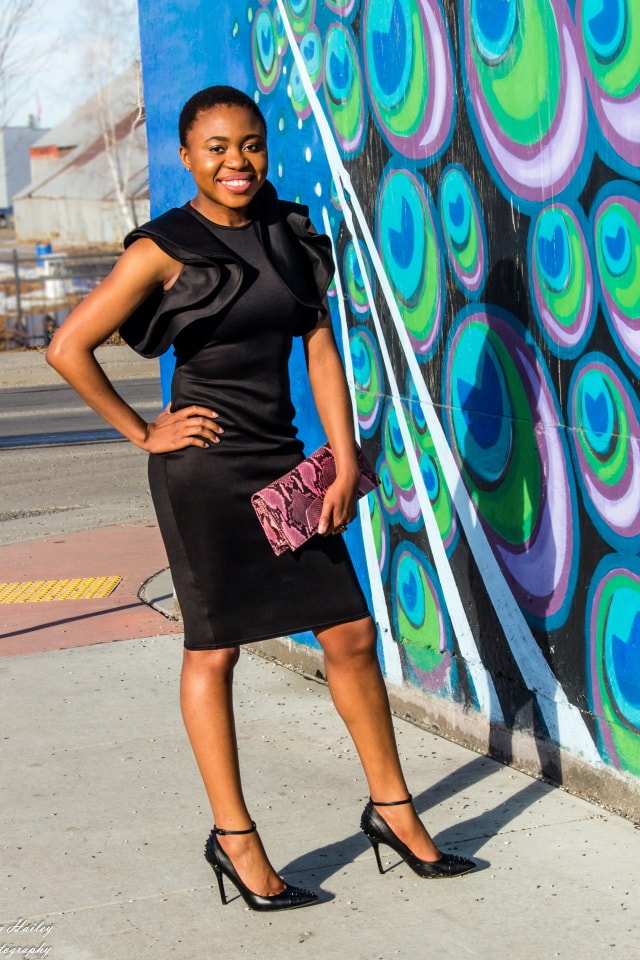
pixel 331 394
pixel 191 427
pixel 339 507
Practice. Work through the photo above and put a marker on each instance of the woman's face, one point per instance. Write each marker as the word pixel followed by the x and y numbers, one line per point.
pixel 226 153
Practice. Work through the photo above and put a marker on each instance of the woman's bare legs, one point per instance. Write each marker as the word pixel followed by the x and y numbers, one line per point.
pixel 360 696
pixel 206 699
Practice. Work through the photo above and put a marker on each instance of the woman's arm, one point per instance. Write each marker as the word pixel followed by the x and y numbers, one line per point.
pixel 140 270
pixel 333 403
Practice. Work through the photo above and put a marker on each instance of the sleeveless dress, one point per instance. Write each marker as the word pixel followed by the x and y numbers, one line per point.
pixel 231 587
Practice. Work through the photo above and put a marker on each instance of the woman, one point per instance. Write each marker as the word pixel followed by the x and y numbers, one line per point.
pixel 228 280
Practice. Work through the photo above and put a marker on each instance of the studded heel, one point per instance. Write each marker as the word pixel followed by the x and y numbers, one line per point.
pixel 287 899
pixel 378 831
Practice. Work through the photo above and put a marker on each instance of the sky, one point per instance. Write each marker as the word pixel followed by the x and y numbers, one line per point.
pixel 60 41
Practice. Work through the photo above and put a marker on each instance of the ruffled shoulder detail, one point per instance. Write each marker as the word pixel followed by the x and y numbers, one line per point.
pixel 208 281
pixel 197 294
pixel 183 236
pixel 302 257
pixel 212 275
pixel 286 233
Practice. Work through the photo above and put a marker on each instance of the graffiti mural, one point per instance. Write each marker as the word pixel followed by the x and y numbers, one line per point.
pixel 477 165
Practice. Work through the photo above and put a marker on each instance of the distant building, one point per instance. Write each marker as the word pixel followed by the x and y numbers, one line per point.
pixel 15 162
pixel 73 197
pixel 54 145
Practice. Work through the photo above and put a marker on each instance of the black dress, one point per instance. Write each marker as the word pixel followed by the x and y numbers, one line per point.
pixel 231 587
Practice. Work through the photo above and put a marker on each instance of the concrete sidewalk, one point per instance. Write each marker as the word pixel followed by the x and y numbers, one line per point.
pixel 104 820
pixel 28 368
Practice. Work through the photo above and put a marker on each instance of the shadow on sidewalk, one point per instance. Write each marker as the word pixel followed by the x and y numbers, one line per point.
pixel 324 862
pixel 64 620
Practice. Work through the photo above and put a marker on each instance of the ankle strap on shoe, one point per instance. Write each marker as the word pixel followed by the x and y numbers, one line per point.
pixel 391 803
pixel 233 833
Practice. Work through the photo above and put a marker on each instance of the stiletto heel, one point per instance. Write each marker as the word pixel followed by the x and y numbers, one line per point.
pixel 218 873
pixel 287 899
pixel 375 844
pixel 378 831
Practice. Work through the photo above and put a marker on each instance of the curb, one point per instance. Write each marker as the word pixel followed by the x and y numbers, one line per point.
pixel 157 592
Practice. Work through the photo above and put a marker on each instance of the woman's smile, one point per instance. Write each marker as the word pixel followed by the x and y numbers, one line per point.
pixel 237 184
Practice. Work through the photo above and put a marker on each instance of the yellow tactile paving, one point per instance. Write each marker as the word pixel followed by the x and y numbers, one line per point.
pixel 36 591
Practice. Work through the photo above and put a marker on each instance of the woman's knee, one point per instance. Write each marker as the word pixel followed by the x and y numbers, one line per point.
pixel 347 642
pixel 219 662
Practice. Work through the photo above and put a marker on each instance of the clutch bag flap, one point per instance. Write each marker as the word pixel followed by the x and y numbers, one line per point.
pixel 289 508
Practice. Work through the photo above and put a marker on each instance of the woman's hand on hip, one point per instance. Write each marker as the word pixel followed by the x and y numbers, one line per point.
pixel 191 427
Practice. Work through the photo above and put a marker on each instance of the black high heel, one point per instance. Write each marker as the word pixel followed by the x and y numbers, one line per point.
pixel 378 831
pixel 287 899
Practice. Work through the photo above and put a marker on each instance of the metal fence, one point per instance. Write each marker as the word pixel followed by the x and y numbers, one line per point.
pixel 38 293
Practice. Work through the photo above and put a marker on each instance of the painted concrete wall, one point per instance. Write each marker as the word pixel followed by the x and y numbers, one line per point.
pixel 476 164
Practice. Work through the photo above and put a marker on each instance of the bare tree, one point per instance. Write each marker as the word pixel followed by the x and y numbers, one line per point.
pixel 17 54
pixel 110 38
pixel 118 134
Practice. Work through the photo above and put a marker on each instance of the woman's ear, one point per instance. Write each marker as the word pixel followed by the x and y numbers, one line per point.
pixel 184 156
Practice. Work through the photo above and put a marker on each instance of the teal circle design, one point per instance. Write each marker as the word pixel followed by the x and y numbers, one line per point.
pixel 554 251
pixel 420 623
pixel 356 289
pixel 297 94
pixel 616 243
pixel 562 279
pixel 431 470
pixel 301 15
pixel 343 87
pixel 605 25
pixel 311 50
pixel 464 230
pixel 609 31
pixel 481 412
pixel 613 658
pixel 408 65
pixel 398 491
pixel 498 398
pixel 408 241
pixel 598 414
pixel 266 51
pixel 281 33
pixel 616 232
pixel 345 8
pixel 604 421
pixel 380 532
pixel 369 384
pixel 622 657
pixel 387 491
pixel 495 26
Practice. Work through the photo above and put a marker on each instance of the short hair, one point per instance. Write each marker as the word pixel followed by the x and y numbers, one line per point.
pixel 217 96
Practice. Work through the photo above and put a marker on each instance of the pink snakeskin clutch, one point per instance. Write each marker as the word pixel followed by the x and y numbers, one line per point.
pixel 289 509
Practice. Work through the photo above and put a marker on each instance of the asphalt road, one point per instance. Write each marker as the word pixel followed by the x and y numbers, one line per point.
pixel 57 486
pixel 56 410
